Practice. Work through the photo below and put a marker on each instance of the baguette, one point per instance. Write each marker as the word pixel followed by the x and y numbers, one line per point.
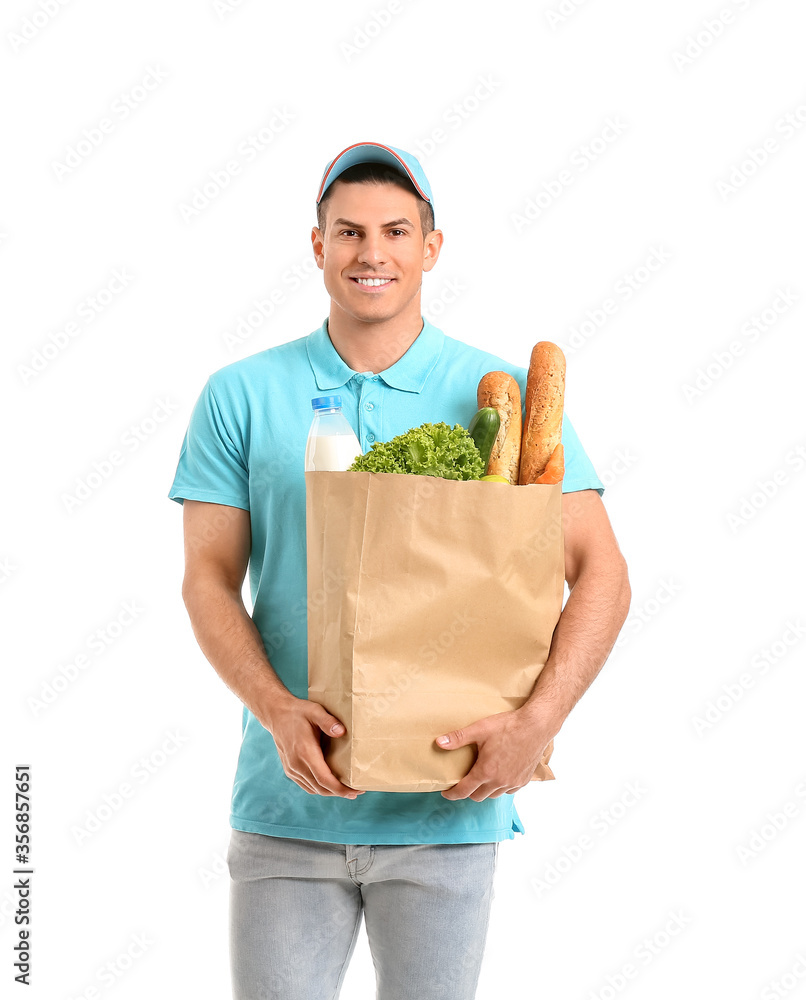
pixel 543 421
pixel 502 392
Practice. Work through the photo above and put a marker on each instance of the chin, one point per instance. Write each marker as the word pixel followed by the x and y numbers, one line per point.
pixel 373 317
pixel 371 312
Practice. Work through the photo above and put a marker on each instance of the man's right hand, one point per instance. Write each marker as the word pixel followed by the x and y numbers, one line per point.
pixel 295 725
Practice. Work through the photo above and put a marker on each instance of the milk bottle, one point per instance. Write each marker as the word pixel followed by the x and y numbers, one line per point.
pixel 332 445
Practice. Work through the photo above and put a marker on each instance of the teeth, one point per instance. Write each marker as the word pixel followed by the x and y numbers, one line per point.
pixel 372 281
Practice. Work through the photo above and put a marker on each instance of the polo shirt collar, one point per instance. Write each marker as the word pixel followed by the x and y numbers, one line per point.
pixel 408 373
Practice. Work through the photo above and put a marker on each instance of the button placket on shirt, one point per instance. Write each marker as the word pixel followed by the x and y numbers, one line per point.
pixel 369 410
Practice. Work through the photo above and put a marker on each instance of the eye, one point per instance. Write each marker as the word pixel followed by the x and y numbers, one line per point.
pixel 401 231
pixel 347 232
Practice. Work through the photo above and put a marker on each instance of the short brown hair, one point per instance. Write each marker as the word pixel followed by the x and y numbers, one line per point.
pixel 378 173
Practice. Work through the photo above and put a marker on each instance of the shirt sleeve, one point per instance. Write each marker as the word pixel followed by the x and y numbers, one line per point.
pixel 212 464
pixel 579 471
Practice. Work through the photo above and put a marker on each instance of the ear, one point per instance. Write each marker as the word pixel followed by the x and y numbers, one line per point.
pixel 431 248
pixel 318 241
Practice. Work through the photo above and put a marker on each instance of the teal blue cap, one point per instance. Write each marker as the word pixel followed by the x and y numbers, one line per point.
pixel 376 152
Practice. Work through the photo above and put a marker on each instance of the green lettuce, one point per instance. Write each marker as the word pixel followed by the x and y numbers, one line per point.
pixel 428 450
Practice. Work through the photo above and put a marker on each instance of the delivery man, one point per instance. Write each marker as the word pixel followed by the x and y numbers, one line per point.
pixel 310 856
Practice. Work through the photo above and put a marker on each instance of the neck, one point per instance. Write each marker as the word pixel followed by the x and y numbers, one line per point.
pixel 372 347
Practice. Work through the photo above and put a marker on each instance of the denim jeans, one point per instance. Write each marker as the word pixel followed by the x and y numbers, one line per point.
pixel 296 908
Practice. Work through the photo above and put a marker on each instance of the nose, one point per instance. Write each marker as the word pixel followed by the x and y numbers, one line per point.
pixel 372 250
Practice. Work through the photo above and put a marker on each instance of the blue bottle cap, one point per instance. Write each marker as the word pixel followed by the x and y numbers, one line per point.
pixel 325 402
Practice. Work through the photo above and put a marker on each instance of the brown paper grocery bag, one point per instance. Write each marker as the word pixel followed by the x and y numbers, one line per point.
pixel 431 604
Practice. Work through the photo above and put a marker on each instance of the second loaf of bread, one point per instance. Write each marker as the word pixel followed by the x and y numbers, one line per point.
pixel 543 420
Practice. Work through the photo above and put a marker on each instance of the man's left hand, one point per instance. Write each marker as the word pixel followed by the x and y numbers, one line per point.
pixel 510 745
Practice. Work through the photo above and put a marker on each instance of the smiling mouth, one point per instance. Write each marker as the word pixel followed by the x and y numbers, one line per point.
pixel 373 282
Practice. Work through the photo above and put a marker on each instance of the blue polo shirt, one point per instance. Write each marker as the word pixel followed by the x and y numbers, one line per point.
pixel 245 447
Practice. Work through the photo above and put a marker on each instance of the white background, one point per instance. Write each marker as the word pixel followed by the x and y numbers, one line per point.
pixel 692 872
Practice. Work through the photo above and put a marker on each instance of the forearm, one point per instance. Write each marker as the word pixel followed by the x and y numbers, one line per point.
pixel 588 627
pixel 231 642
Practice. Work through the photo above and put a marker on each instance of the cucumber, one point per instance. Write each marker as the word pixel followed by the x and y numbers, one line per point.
pixel 484 430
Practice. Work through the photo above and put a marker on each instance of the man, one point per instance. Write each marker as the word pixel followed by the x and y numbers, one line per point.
pixel 309 855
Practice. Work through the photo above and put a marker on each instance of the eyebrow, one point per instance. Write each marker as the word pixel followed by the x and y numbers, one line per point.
pixel 386 225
